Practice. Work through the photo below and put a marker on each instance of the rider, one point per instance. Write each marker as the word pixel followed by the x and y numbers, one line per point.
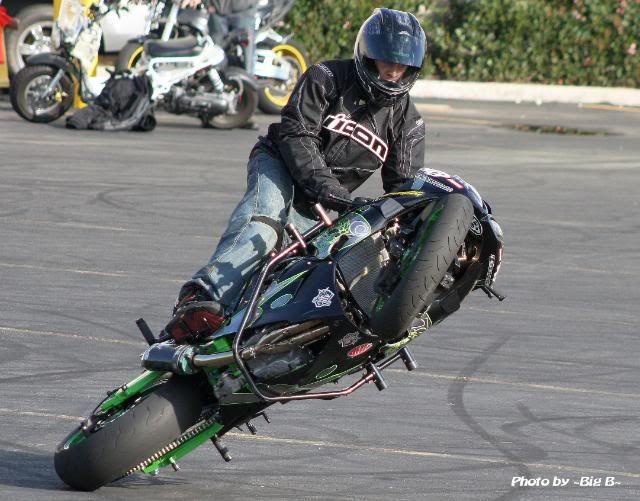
pixel 344 120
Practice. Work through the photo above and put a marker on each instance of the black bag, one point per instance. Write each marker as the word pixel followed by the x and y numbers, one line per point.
pixel 124 104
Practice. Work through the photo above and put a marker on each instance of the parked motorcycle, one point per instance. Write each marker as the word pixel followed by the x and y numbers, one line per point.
pixel 279 60
pixel 345 297
pixel 191 75
pixel 44 89
pixel 187 75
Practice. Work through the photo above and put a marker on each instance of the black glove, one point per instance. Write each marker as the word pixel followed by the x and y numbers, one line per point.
pixel 334 197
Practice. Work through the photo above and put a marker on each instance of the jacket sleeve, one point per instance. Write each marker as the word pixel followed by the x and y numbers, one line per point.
pixel 301 126
pixel 407 152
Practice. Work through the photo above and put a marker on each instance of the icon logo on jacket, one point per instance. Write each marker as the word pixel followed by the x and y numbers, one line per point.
pixel 359 133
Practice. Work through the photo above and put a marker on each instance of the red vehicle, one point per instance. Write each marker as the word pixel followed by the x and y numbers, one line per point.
pixel 6 22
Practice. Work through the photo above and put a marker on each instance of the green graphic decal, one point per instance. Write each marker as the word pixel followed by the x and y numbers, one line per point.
pixel 281 301
pixel 326 372
pixel 420 325
pixel 277 287
pixel 354 226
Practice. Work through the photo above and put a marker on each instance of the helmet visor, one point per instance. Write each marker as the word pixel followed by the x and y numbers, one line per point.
pixel 393 44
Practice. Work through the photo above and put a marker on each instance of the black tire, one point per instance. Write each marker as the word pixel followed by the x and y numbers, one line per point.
pixel 129 56
pixel 30 18
pixel 23 84
pixel 247 102
pixel 272 96
pixel 118 445
pixel 415 289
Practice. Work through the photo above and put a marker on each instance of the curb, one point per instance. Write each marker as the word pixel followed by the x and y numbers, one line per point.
pixel 534 93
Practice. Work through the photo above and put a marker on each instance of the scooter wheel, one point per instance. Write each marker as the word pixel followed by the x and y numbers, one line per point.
pixel 27 94
pixel 129 56
pixel 274 95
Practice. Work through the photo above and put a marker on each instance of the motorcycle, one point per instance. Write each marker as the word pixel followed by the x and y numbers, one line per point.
pixel 187 75
pixel 44 89
pixel 191 75
pixel 279 61
pixel 345 297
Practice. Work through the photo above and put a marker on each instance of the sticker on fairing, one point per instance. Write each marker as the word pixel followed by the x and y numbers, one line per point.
pixel 476 227
pixel 323 298
pixel 281 301
pixel 349 340
pixel 326 372
pixel 359 350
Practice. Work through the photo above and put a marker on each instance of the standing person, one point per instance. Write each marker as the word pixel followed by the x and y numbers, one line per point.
pixel 345 119
pixel 229 15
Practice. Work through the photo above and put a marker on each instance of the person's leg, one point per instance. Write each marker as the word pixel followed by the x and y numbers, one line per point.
pixel 246 21
pixel 254 229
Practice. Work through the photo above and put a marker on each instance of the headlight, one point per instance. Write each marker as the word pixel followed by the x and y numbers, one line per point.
pixel 71 20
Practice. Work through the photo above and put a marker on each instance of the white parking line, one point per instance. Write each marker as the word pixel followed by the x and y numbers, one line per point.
pixel 533 386
pixel 115 274
pixel 448 377
pixel 80 337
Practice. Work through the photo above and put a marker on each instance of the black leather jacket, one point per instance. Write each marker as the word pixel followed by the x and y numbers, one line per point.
pixel 330 134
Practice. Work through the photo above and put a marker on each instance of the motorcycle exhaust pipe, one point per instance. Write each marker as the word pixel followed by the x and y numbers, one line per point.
pixel 209 103
pixel 215 360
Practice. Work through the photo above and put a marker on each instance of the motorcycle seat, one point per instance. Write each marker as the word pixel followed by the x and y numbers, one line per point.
pixel 178 47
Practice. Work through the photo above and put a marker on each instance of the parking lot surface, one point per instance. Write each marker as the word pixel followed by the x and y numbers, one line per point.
pixel 99 229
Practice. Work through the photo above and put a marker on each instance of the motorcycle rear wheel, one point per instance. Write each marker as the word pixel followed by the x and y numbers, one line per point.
pixel 274 95
pixel 247 102
pixel 129 56
pixel 433 250
pixel 34 108
pixel 128 437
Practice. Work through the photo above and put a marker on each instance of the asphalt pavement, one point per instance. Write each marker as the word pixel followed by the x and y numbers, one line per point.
pixel 98 229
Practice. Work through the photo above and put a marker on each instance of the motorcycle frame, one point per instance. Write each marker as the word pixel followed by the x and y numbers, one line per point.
pixel 373 370
pixel 211 56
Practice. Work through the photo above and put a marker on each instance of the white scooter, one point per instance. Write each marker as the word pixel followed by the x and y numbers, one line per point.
pixel 190 75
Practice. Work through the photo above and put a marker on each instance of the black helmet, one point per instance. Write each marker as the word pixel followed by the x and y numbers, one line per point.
pixel 395 37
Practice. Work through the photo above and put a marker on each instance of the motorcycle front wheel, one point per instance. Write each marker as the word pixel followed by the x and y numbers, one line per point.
pixel 274 94
pixel 121 441
pixel 29 96
pixel 426 262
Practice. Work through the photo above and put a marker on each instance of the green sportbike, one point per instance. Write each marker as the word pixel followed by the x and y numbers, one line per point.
pixel 344 298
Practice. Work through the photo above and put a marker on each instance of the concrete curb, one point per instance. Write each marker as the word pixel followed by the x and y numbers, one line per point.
pixel 535 93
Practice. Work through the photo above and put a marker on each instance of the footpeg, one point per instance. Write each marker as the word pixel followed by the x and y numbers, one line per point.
pixel 146 332
pixel 174 465
pixel 381 384
pixel 252 428
pixel 264 415
pixel 224 452
pixel 409 362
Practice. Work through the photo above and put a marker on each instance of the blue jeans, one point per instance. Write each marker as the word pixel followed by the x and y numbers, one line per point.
pixel 251 233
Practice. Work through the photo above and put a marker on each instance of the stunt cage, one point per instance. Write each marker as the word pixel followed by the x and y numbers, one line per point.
pixel 238 355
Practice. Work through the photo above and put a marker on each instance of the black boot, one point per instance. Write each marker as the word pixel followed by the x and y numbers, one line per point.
pixel 194 315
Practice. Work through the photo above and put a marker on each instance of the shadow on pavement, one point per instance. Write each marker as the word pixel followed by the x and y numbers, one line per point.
pixel 28 469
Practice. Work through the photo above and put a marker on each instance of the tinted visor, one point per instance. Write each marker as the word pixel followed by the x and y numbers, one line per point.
pixel 393 43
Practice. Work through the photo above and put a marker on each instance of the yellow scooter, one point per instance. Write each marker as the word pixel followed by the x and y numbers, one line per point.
pixel 44 89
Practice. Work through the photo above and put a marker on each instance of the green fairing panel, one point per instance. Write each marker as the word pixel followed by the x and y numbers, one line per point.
pixel 126 391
